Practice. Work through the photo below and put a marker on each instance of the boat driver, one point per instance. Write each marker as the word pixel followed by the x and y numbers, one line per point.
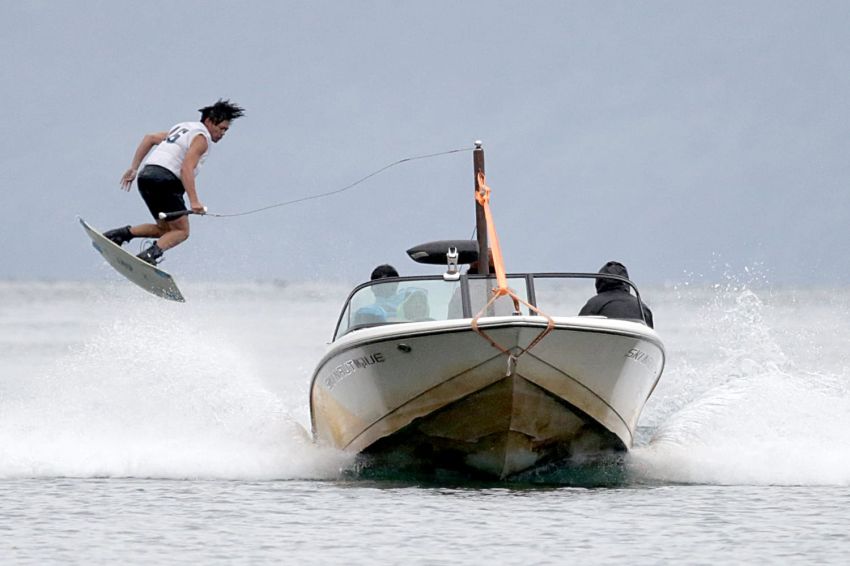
pixel 386 298
pixel 391 305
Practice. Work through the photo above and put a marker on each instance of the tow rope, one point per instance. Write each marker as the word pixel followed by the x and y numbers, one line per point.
pixel 483 198
pixel 178 214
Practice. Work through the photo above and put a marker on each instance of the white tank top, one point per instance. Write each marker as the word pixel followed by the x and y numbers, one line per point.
pixel 172 151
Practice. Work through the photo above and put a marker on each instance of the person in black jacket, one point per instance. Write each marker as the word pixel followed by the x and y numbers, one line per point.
pixel 614 299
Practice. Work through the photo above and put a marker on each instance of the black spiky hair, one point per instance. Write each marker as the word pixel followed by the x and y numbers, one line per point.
pixel 221 111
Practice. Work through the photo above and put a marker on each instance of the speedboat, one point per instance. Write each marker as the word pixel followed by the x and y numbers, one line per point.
pixel 425 373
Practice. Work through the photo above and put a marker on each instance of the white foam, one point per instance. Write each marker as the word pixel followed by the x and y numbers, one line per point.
pixel 749 414
pixel 153 393
pixel 770 428
pixel 755 390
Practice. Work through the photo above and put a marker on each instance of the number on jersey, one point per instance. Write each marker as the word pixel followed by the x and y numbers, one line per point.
pixel 175 134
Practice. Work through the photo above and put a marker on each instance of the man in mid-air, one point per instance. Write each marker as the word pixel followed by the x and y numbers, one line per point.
pixel 169 172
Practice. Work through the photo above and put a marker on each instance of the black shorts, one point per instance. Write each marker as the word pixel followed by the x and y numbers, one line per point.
pixel 161 190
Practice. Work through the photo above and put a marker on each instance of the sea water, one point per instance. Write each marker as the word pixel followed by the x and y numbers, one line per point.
pixel 134 430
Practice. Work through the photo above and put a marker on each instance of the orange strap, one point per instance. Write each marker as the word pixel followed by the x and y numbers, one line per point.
pixel 483 198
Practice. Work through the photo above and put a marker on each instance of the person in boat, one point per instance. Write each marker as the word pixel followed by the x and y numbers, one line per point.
pixel 386 299
pixel 390 304
pixel 169 172
pixel 614 299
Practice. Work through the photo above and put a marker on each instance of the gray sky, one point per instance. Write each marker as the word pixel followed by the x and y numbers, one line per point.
pixel 677 137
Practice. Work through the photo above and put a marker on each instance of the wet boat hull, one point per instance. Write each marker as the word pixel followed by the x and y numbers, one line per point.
pixel 437 394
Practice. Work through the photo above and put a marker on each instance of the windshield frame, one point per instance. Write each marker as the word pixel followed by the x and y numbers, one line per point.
pixel 466 302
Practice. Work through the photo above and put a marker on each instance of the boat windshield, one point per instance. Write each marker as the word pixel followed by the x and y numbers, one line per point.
pixel 412 299
pixel 416 299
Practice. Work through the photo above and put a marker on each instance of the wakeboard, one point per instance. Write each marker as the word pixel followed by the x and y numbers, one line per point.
pixel 147 276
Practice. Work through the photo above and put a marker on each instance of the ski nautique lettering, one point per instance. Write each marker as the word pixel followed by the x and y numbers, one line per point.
pixel 640 356
pixel 348 367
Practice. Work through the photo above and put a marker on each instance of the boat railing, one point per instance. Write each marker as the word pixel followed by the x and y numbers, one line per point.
pixel 431 297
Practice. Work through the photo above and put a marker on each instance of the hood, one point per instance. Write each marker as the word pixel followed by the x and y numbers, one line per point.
pixel 613 268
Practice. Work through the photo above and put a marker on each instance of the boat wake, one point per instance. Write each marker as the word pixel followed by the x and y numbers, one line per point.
pixel 131 403
pixel 756 391
pixel 750 414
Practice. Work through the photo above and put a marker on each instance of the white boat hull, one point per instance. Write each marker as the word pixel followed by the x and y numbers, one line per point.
pixel 438 394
